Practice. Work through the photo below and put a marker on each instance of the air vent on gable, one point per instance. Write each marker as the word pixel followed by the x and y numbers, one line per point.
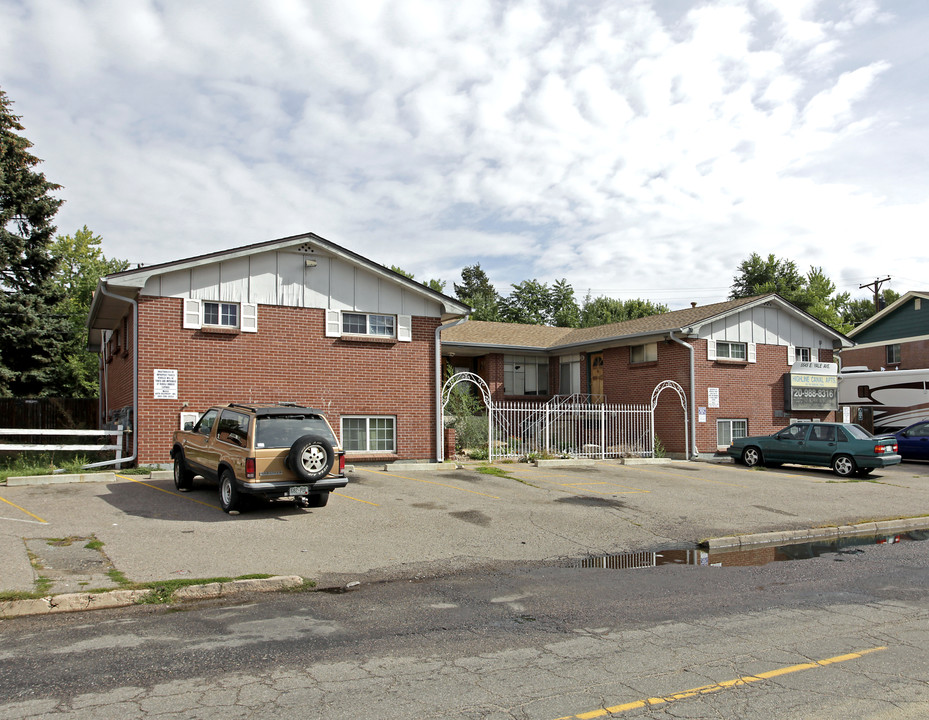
pixel 306 248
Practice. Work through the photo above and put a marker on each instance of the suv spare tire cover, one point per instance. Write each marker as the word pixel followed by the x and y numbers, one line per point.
pixel 311 457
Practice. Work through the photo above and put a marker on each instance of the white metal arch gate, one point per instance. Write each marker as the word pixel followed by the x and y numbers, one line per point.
pixel 470 377
pixel 664 385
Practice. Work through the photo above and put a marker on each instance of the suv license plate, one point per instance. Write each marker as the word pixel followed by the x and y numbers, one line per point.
pixel 298 490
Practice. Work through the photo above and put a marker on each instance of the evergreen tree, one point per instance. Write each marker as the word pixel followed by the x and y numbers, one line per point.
pixel 32 329
pixel 475 290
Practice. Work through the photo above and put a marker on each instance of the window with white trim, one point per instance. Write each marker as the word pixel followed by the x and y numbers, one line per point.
pixel 643 353
pixel 200 314
pixel 369 324
pixel 729 430
pixel 731 350
pixel 220 314
pixel 369 434
pixel 525 375
pixel 802 354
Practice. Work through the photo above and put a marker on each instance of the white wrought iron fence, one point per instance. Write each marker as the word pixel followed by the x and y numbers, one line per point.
pixel 573 429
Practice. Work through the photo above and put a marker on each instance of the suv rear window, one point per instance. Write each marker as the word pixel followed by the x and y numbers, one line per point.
pixel 280 431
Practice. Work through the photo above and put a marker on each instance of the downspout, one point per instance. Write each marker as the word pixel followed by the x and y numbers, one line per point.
pixel 693 406
pixel 135 380
pixel 439 429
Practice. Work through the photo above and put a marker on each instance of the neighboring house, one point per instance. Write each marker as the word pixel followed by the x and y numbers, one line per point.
pixel 896 338
pixel 298 319
pixel 730 358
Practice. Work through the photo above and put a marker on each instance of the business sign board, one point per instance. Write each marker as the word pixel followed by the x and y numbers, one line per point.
pixel 811 386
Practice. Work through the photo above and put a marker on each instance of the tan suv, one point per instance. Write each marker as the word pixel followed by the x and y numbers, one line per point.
pixel 272 451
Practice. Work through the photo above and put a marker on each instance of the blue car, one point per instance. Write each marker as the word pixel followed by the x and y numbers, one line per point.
pixel 913 441
pixel 846 448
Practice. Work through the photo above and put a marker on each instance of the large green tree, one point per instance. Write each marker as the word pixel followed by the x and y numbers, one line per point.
pixel 477 291
pixel 529 302
pixel 565 310
pixel 605 310
pixel 32 328
pixel 81 264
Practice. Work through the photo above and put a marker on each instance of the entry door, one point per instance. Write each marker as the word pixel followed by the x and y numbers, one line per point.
pixel 596 378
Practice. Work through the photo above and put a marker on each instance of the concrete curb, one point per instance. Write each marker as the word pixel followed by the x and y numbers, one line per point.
pixel 76 602
pixel 402 467
pixel 883 527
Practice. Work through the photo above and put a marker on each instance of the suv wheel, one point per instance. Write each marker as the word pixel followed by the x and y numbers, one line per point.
pixel 183 478
pixel 228 492
pixel 311 457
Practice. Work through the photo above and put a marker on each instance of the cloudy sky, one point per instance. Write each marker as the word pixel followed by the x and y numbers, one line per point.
pixel 637 148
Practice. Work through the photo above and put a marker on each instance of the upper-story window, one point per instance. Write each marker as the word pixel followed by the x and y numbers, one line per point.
pixel 802 354
pixel 369 324
pixel 221 314
pixel 643 353
pixel 731 350
pixel 206 314
pixel 893 354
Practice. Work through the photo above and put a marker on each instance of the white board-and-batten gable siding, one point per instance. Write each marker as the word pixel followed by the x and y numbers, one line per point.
pixel 766 326
pixel 283 278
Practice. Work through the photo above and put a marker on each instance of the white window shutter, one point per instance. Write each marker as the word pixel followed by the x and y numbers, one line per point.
pixel 710 349
pixel 791 354
pixel 249 317
pixel 752 352
pixel 333 323
pixel 404 328
pixel 814 354
pixel 192 314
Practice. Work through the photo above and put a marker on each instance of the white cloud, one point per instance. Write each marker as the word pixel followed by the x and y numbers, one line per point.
pixel 628 151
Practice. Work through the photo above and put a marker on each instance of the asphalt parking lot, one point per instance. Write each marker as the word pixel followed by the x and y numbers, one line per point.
pixel 410 522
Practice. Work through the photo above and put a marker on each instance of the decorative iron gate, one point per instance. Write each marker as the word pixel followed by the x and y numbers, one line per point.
pixel 568 426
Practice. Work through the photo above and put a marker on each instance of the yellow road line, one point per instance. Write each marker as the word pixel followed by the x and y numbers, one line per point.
pixel 715 687
pixel 170 492
pixel 355 499
pixel 24 510
pixel 431 482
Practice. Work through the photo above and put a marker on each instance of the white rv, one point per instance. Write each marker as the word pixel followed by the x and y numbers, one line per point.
pixel 896 398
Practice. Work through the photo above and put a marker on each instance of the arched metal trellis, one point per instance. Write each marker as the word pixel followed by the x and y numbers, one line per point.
pixel 664 385
pixel 464 376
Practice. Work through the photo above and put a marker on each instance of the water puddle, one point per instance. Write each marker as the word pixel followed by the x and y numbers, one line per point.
pixel 751 556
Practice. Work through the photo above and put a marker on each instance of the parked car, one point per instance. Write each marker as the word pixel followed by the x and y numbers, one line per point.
pixel 844 447
pixel 913 441
pixel 271 451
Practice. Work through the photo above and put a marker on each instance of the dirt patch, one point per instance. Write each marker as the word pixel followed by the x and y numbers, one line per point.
pixel 72 564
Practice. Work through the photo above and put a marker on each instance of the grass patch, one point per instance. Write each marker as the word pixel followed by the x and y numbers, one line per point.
pixel 491 470
pixel 28 464
pixel 94 544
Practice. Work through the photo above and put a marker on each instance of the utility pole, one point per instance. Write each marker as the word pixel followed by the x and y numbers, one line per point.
pixel 877 292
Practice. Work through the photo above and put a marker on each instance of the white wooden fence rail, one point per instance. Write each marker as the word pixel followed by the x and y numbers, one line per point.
pixel 116 447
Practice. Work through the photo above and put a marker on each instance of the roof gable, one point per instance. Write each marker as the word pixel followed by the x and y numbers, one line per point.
pixel 907 317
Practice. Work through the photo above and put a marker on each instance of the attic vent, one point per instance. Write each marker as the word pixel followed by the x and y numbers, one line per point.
pixel 306 248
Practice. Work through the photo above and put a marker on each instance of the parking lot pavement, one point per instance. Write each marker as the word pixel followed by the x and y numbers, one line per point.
pixel 397 524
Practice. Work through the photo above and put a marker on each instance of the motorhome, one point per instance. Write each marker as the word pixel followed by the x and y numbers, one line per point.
pixel 885 400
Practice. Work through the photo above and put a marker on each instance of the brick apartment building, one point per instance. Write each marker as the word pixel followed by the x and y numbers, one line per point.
pixel 896 338
pixel 730 358
pixel 297 319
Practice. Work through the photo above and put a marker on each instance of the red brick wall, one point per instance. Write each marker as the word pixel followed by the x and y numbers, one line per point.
pixel 913 356
pixel 288 359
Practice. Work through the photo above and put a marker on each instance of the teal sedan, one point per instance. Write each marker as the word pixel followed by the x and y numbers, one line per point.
pixel 846 448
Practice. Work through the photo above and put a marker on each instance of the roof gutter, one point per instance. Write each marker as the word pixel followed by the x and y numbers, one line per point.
pixel 439 429
pixel 135 378
pixel 692 440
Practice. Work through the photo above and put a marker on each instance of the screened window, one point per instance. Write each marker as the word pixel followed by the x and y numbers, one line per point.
pixel 369 324
pixel 729 430
pixel 369 434
pixel 221 314
pixel 893 354
pixel 731 350
pixel 643 353
pixel 525 375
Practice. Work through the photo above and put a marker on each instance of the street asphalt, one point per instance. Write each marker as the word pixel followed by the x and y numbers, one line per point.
pixel 413 521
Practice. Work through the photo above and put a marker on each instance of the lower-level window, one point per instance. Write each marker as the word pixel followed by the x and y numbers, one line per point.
pixel 369 434
pixel 729 430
